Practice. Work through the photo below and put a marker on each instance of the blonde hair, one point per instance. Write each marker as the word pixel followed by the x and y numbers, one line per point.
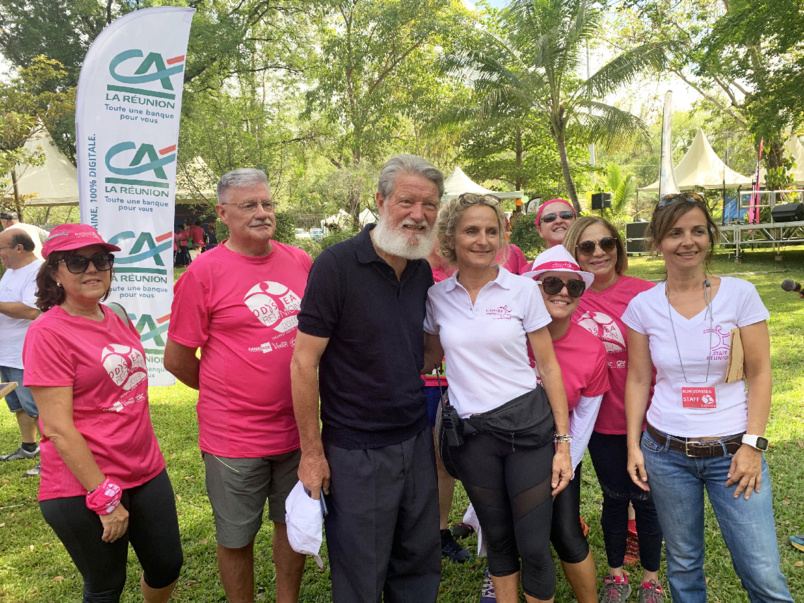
pixel 450 216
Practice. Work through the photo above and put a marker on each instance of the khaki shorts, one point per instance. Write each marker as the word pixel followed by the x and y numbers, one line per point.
pixel 239 488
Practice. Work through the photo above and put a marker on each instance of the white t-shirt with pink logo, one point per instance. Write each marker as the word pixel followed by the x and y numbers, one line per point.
pixel 485 343
pixel 104 363
pixel 600 313
pixel 242 312
pixel 697 405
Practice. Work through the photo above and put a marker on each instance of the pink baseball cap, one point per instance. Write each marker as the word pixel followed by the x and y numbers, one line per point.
pixel 74 236
pixel 546 203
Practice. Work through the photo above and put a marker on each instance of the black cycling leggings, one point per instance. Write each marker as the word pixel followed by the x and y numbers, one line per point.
pixel 510 490
pixel 566 533
pixel 153 530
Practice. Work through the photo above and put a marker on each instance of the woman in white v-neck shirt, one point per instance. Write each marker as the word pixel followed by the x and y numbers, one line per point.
pixel 481 319
pixel 703 434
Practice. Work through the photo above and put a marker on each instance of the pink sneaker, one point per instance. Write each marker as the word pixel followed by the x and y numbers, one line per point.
pixel 615 589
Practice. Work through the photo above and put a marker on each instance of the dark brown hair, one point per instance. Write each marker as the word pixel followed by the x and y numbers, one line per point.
pixel 664 218
pixel 48 293
pixel 576 230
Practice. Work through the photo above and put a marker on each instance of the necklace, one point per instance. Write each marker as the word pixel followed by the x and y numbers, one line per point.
pixel 706 287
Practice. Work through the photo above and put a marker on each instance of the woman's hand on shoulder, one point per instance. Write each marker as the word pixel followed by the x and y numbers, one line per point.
pixel 745 471
pixel 115 524
pixel 562 468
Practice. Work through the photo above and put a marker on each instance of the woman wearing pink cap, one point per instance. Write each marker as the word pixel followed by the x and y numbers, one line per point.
pixel 511 444
pixel 582 359
pixel 553 219
pixel 104 482
pixel 598 248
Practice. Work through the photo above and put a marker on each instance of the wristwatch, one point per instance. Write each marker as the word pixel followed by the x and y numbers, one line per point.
pixel 756 441
pixel 562 438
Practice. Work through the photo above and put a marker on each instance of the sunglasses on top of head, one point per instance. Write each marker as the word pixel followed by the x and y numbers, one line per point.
pixel 567 214
pixel 553 285
pixel 675 197
pixel 606 244
pixel 78 264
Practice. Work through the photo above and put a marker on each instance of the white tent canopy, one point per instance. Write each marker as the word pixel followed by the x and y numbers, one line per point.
pixel 366 217
pixel 796 149
pixel 53 183
pixel 458 182
pixel 702 168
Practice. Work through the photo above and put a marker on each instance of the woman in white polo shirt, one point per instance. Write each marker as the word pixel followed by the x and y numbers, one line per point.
pixel 480 319
pixel 703 433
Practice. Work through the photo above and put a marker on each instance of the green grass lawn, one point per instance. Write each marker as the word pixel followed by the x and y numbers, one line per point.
pixel 34 566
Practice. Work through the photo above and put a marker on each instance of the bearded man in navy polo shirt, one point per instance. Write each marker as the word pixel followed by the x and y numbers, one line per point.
pixel 360 348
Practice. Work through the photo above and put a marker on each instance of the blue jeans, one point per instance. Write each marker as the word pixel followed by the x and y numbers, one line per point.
pixel 21 398
pixel 677 483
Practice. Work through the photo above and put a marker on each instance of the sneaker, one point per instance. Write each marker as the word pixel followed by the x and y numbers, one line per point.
pixel 615 589
pixel 487 590
pixel 34 471
pixel 451 549
pixel 462 530
pixel 20 454
pixel 651 592
pixel 631 545
pixel 797 541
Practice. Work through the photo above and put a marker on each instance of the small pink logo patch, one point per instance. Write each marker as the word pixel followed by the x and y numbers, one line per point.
pixel 501 313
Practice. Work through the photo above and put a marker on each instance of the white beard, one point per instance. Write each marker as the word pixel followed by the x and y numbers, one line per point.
pixel 395 242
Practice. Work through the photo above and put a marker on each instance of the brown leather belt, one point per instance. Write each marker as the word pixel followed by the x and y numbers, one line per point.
pixel 694 448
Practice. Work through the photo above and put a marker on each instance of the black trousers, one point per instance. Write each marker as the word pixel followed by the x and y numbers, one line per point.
pixel 382 526
pixel 610 458
pixel 153 531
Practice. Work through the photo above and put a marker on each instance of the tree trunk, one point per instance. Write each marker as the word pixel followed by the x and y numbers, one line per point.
pixel 17 200
pixel 519 153
pixel 562 153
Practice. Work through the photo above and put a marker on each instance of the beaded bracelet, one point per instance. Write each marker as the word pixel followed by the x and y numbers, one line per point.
pixel 105 498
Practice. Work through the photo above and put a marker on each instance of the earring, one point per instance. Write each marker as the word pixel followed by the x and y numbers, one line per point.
pixel 58 284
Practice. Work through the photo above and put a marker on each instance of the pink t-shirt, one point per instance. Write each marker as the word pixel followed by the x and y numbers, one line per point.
pixel 582 359
pixel 516 262
pixel 600 313
pixel 242 312
pixel 104 363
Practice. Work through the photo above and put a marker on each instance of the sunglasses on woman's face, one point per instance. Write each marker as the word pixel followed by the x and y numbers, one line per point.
pixel 606 244
pixel 78 264
pixel 553 285
pixel 564 215
pixel 691 197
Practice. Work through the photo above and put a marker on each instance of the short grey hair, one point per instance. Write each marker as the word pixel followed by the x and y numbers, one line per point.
pixel 11 216
pixel 410 164
pixel 240 178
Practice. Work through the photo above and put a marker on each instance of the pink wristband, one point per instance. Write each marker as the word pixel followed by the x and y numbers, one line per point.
pixel 105 498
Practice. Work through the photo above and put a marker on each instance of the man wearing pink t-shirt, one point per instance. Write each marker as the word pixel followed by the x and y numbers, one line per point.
pixel 239 304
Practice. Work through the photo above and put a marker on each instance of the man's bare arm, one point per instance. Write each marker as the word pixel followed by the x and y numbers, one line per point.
pixel 18 310
pixel 182 362
pixel 313 467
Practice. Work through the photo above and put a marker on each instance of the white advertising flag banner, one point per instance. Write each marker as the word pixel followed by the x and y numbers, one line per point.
pixel 127 131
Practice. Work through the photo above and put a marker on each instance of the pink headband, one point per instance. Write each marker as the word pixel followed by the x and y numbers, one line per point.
pixel 543 205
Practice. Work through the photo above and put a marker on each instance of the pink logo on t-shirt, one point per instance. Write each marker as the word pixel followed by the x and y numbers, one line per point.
pixel 274 305
pixel 124 365
pixel 720 344
pixel 605 329
pixel 501 313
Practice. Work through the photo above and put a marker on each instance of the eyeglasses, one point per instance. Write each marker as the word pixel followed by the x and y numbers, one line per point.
pixel 606 244
pixel 673 198
pixel 564 215
pixel 78 264
pixel 553 285
pixel 474 198
pixel 251 206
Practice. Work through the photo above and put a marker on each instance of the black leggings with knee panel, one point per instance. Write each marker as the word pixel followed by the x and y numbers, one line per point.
pixel 510 490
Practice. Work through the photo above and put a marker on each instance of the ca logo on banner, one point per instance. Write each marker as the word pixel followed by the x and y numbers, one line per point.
pixel 140 74
pixel 146 161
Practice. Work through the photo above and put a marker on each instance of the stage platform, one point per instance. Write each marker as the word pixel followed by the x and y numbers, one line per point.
pixel 775 234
